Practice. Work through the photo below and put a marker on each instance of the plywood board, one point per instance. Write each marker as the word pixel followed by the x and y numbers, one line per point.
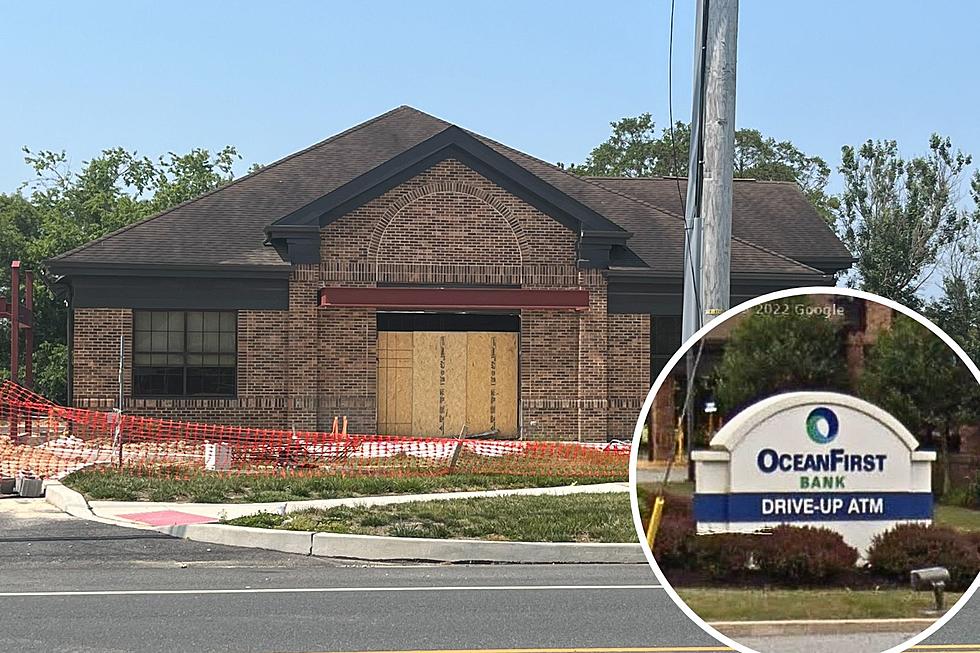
pixel 505 382
pixel 478 386
pixel 394 383
pixel 454 383
pixel 382 396
pixel 427 361
pixel 432 383
pixel 400 377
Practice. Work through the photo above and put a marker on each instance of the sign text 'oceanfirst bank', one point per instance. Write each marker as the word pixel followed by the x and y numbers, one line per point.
pixel 813 458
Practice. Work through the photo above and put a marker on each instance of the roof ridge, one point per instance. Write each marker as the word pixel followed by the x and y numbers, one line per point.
pixel 683 219
pixel 235 181
pixel 754 180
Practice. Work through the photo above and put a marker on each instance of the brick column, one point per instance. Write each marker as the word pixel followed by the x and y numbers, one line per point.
pixel 593 347
pixel 95 364
pixel 629 371
pixel 301 349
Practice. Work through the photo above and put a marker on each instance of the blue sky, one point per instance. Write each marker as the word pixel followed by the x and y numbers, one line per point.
pixel 545 77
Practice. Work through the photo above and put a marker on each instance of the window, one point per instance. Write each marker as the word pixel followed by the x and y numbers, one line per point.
pixel 184 353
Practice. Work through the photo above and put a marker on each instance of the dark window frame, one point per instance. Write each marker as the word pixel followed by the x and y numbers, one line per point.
pixel 185 353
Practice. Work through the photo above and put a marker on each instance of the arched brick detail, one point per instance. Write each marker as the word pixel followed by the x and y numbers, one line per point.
pixel 427 191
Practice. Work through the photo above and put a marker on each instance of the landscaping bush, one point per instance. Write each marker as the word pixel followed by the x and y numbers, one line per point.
pixel 961 497
pixel 672 548
pixel 803 555
pixel 724 556
pixel 913 546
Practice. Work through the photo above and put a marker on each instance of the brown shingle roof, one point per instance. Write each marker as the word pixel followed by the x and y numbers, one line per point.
pixel 226 226
pixel 772 214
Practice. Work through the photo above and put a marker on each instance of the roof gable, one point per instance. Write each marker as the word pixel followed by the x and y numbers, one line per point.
pixel 294 234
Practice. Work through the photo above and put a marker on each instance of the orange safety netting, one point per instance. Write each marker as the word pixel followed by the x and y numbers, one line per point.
pixel 52 441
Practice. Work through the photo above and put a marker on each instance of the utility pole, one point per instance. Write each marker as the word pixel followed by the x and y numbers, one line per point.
pixel 692 316
pixel 719 155
pixel 708 214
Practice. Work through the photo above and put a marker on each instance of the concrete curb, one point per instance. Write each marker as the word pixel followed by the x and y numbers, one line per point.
pixel 73 503
pixel 67 500
pixel 300 542
pixel 736 629
pixel 373 547
pixel 377 548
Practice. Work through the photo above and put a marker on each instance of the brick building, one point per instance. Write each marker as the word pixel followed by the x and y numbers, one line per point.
pixel 417 278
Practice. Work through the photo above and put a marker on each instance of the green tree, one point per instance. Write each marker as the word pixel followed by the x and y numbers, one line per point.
pixel 900 217
pixel 917 378
pixel 636 149
pixel 776 348
pixel 60 209
pixel 957 310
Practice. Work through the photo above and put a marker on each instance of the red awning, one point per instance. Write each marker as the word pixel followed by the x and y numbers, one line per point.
pixel 456 298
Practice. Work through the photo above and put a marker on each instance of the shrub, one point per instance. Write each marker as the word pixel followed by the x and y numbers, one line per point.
pixel 803 555
pixel 913 546
pixel 672 548
pixel 962 497
pixel 725 556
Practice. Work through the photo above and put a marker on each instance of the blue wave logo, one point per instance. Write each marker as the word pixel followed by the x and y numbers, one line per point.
pixel 822 425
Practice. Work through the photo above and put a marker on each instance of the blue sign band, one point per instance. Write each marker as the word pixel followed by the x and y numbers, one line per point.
pixel 788 507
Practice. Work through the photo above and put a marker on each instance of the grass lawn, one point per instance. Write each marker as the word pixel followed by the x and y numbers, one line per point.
pixel 964 519
pixel 761 605
pixel 118 485
pixel 570 518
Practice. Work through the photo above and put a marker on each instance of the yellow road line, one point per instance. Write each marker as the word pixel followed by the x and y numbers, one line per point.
pixel 923 648
pixel 609 649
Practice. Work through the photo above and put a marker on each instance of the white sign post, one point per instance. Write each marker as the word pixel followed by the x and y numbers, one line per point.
pixel 813 459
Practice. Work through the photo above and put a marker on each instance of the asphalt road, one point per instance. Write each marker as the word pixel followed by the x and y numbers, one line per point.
pixel 74 585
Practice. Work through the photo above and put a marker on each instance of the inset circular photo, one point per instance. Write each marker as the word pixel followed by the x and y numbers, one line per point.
pixel 808 465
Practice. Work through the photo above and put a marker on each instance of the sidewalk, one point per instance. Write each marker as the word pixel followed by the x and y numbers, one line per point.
pixel 156 514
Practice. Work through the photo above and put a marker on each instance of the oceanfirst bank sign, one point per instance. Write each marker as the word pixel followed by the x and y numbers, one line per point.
pixel 813 459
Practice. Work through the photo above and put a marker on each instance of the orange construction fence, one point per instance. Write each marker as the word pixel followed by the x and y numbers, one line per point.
pixel 52 441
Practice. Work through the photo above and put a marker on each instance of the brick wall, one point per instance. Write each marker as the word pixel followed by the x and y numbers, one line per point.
pixel 95 371
pixel 449 225
pixel 628 356
pixel 447 215
pixel 583 375
pixel 261 399
pixel 347 367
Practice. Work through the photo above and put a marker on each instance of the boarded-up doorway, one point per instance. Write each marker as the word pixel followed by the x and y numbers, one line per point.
pixel 442 383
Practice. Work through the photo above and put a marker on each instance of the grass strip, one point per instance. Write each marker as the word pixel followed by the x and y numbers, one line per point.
pixel 570 518
pixel 765 605
pixel 964 519
pixel 124 485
